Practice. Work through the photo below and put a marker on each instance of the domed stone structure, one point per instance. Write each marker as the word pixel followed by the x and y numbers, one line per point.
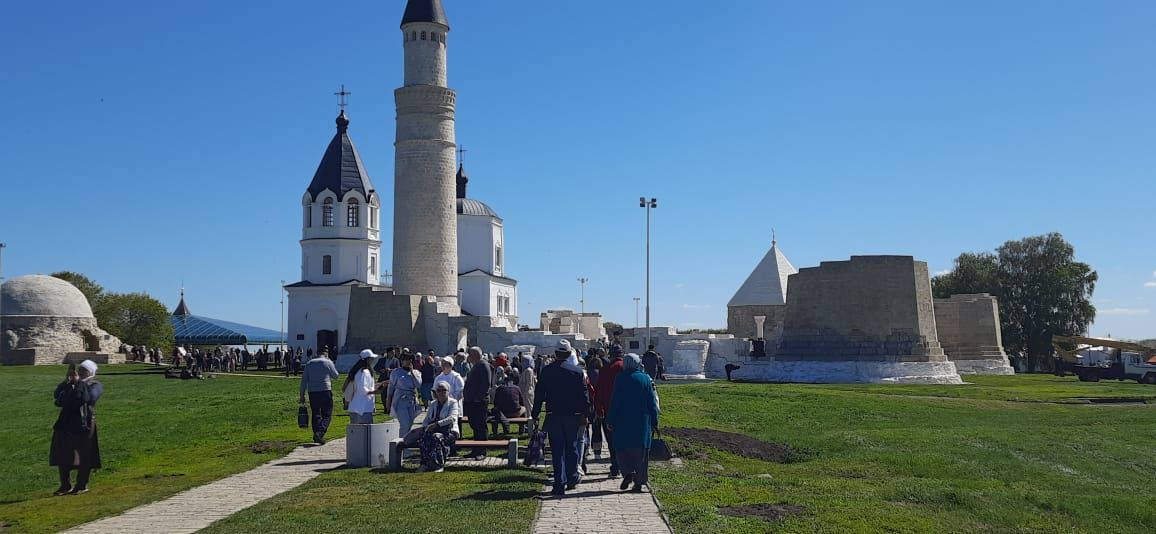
pixel 45 320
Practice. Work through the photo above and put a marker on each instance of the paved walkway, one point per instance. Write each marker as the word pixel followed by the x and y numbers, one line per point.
pixel 598 506
pixel 225 497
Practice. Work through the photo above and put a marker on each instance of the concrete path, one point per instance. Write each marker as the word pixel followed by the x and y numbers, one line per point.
pixel 598 506
pixel 225 497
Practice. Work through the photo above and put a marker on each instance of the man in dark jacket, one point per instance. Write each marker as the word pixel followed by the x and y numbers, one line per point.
pixel 567 401
pixel 652 364
pixel 603 393
pixel 476 396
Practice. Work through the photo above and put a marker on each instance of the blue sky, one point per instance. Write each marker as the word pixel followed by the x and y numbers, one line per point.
pixel 150 143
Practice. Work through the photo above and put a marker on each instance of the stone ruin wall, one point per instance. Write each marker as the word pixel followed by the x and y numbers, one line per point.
pixel 871 308
pixel 969 330
pixel 36 340
pixel 741 323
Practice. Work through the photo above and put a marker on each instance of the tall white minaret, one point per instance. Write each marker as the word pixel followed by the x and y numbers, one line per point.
pixel 425 245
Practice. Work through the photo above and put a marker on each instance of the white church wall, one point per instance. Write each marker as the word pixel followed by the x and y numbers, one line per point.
pixel 316 308
pixel 475 244
pixel 475 294
pixel 350 260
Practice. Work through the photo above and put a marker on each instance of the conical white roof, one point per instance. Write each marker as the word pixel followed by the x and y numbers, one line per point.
pixel 767 284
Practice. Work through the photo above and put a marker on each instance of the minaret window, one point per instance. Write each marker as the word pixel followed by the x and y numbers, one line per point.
pixel 327 212
pixel 353 214
pixel 327 264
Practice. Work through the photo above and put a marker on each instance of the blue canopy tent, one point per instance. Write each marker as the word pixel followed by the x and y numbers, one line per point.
pixel 192 329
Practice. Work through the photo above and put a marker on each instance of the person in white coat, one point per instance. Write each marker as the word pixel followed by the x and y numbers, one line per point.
pixel 440 429
pixel 452 378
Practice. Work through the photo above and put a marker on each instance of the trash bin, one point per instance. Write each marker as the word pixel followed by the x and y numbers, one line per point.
pixel 368 445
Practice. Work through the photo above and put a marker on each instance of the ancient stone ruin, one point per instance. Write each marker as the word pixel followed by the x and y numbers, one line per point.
pixel 869 319
pixel 48 321
pixel 969 330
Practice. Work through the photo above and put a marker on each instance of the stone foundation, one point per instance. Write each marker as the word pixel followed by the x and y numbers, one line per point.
pixel 849 372
pixel 969 329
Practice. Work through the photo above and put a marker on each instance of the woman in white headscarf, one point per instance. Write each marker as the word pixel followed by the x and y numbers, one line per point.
pixel 74 439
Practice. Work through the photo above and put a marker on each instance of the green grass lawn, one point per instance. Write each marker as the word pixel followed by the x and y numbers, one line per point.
pixel 1000 455
pixel 461 499
pixel 158 437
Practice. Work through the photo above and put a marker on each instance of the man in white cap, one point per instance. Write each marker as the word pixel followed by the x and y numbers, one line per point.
pixel 317 380
pixel 454 380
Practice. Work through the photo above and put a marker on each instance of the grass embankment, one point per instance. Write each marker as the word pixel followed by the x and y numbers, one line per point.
pixel 877 458
pixel 158 437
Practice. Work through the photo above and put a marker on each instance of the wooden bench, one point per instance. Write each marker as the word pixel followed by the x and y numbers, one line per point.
pixel 521 423
pixel 397 446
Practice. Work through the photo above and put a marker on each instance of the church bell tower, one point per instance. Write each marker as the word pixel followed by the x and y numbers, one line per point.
pixel 425 244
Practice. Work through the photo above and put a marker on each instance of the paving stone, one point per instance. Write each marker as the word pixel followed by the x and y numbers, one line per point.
pixel 597 505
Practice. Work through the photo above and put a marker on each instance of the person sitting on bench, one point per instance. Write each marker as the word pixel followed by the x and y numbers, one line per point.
pixel 440 429
pixel 508 402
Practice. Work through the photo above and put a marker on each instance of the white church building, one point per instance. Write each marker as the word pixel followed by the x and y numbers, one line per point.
pixel 450 286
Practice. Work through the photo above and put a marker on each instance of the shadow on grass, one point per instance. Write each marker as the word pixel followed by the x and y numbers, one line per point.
pixel 499 495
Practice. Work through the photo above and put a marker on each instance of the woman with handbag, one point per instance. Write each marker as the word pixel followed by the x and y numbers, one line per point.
pixel 633 417
pixel 440 430
pixel 74 439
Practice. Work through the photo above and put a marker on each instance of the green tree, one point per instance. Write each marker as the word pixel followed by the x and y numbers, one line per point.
pixel 974 272
pixel 92 290
pixel 136 318
pixel 1043 291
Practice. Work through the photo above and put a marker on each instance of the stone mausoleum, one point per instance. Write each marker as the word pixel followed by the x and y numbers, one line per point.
pixel 46 321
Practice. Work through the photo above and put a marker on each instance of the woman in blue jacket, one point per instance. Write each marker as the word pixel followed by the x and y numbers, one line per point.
pixel 633 417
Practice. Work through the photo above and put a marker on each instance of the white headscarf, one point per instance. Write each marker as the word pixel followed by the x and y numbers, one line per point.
pixel 90 366
pixel 572 362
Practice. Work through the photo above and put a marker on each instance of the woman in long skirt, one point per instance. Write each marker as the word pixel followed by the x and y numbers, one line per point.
pixel 74 438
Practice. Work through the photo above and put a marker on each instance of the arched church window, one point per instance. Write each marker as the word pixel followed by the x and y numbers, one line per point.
pixel 353 214
pixel 498 259
pixel 372 216
pixel 327 212
pixel 372 266
pixel 308 216
pixel 327 264
pixel 413 36
pixel 423 36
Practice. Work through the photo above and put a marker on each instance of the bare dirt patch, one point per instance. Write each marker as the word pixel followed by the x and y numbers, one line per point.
pixel 766 512
pixel 262 447
pixel 737 444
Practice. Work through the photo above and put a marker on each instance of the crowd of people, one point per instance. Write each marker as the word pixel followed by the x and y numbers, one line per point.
pixel 233 359
pixel 590 400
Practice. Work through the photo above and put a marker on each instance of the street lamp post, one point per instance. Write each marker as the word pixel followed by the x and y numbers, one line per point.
pixel 648 205
pixel 636 299
pixel 582 300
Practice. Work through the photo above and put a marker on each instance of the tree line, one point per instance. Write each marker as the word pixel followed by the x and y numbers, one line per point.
pixel 1042 290
pixel 136 318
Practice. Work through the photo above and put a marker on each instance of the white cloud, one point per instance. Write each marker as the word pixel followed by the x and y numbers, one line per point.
pixel 943 272
pixel 1123 311
pixel 1150 284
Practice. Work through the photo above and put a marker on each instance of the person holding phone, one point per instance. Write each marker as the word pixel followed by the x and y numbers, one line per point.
pixel 75 446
